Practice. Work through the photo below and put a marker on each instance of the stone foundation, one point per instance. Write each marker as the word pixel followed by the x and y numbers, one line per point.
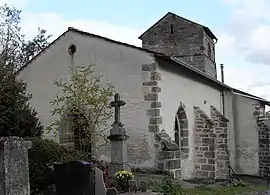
pixel 221 144
pixel 204 145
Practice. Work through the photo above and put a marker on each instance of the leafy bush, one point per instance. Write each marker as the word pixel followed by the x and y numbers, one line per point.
pixel 42 155
pixel 45 153
pixel 168 187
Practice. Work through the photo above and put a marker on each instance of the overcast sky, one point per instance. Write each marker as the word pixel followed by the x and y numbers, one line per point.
pixel 242 27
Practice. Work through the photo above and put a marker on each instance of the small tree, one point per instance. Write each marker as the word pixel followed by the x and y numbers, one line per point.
pixel 84 101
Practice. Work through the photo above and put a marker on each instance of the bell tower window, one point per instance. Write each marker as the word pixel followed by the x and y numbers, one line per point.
pixel 171 28
pixel 209 51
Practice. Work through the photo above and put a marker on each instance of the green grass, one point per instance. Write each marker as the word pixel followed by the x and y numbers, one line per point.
pixel 171 187
pixel 223 190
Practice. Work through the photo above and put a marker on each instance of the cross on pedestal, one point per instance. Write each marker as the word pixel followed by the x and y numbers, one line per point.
pixel 117 103
pixel 118 137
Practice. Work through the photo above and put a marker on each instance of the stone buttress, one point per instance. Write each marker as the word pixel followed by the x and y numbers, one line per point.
pixel 211 147
pixel 263 126
pixel 167 152
pixel 221 144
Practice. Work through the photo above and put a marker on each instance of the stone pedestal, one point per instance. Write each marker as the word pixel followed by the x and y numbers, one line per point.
pixel 118 139
pixel 14 167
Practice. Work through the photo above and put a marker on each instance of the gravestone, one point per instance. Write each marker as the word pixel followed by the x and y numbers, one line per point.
pixel 118 137
pixel 100 187
pixel 75 178
pixel 80 178
pixel 14 166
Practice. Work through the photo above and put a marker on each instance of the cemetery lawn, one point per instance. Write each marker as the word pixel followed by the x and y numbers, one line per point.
pixel 224 190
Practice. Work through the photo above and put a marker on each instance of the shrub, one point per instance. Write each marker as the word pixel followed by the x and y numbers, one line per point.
pixel 168 187
pixel 42 155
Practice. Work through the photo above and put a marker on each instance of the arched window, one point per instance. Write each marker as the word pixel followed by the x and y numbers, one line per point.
pixel 176 131
pixel 82 141
pixel 181 134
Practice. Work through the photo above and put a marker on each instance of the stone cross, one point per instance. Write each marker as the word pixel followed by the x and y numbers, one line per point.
pixel 117 103
pixel 118 137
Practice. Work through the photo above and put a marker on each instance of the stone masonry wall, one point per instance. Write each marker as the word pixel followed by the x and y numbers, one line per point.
pixel 263 125
pixel 169 155
pixel 264 149
pixel 221 144
pixel 175 36
pixel 204 145
pixel 166 159
pixel 210 67
pixel 170 161
pixel 185 40
pixel 14 164
pixel 151 90
pixel 209 60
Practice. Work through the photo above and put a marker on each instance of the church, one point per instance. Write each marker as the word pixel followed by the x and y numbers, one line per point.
pixel 171 91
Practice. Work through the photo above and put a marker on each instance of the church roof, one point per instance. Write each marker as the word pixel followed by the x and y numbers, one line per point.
pixel 71 29
pixel 171 59
pixel 205 28
pixel 235 91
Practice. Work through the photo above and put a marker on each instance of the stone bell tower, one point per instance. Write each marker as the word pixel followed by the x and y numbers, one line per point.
pixel 183 39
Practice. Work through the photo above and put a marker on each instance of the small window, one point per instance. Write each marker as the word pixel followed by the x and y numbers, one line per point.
pixel 171 29
pixel 72 49
pixel 213 51
pixel 209 51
